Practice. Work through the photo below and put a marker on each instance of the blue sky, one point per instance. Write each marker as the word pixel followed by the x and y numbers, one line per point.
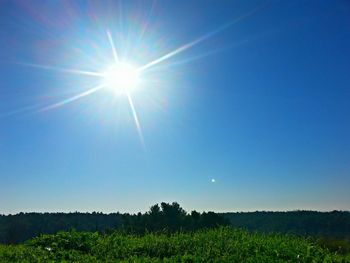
pixel 261 105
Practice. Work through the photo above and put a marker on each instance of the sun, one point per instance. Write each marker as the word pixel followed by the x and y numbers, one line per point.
pixel 121 78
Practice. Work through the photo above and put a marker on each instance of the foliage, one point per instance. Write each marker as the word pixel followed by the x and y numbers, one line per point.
pixel 328 229
pixel 165 218
pixel 23 226
pixel 222 244
pixel 341 246
pixel 335 224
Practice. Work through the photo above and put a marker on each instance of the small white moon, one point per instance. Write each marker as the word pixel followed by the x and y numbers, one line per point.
pixel 213 180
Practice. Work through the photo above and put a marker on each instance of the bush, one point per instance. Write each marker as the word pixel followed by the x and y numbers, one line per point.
pixel 223 244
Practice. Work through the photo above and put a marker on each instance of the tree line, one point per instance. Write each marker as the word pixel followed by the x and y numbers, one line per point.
pixel 160 218
pixel 171 218
pixel 334 224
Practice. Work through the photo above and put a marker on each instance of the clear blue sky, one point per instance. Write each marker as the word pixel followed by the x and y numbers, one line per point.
pixel 261 105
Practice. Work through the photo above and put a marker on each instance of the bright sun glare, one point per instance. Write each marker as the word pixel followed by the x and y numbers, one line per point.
pixel 121 78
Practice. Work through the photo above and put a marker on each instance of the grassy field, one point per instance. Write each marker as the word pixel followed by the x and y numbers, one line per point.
pixel 218 245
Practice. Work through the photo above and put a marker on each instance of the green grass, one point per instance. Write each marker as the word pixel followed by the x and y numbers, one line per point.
pixel 218 245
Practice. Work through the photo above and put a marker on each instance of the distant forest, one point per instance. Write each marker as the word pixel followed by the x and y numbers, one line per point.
pixel 335 224
pixel 172 218
pixel 164 218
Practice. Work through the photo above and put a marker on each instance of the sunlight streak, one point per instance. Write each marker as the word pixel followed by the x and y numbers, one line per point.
pixel 72 71
pixel 19 111
pixel 171 54
pixel 136 119
pixel 121 77
pixel 114 50
pixel 71 99
pixel 198 40
pixel 207 54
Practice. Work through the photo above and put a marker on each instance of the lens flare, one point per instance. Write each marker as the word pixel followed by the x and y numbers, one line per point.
pixel 122 78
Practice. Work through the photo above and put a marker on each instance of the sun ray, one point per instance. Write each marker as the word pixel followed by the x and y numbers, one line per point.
pixel 116 80
pixel 136 119
pixel 71 99
pixel 198 40
pixel 20 110
pixel 206 54
pixel 67 70
pixel 114 50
